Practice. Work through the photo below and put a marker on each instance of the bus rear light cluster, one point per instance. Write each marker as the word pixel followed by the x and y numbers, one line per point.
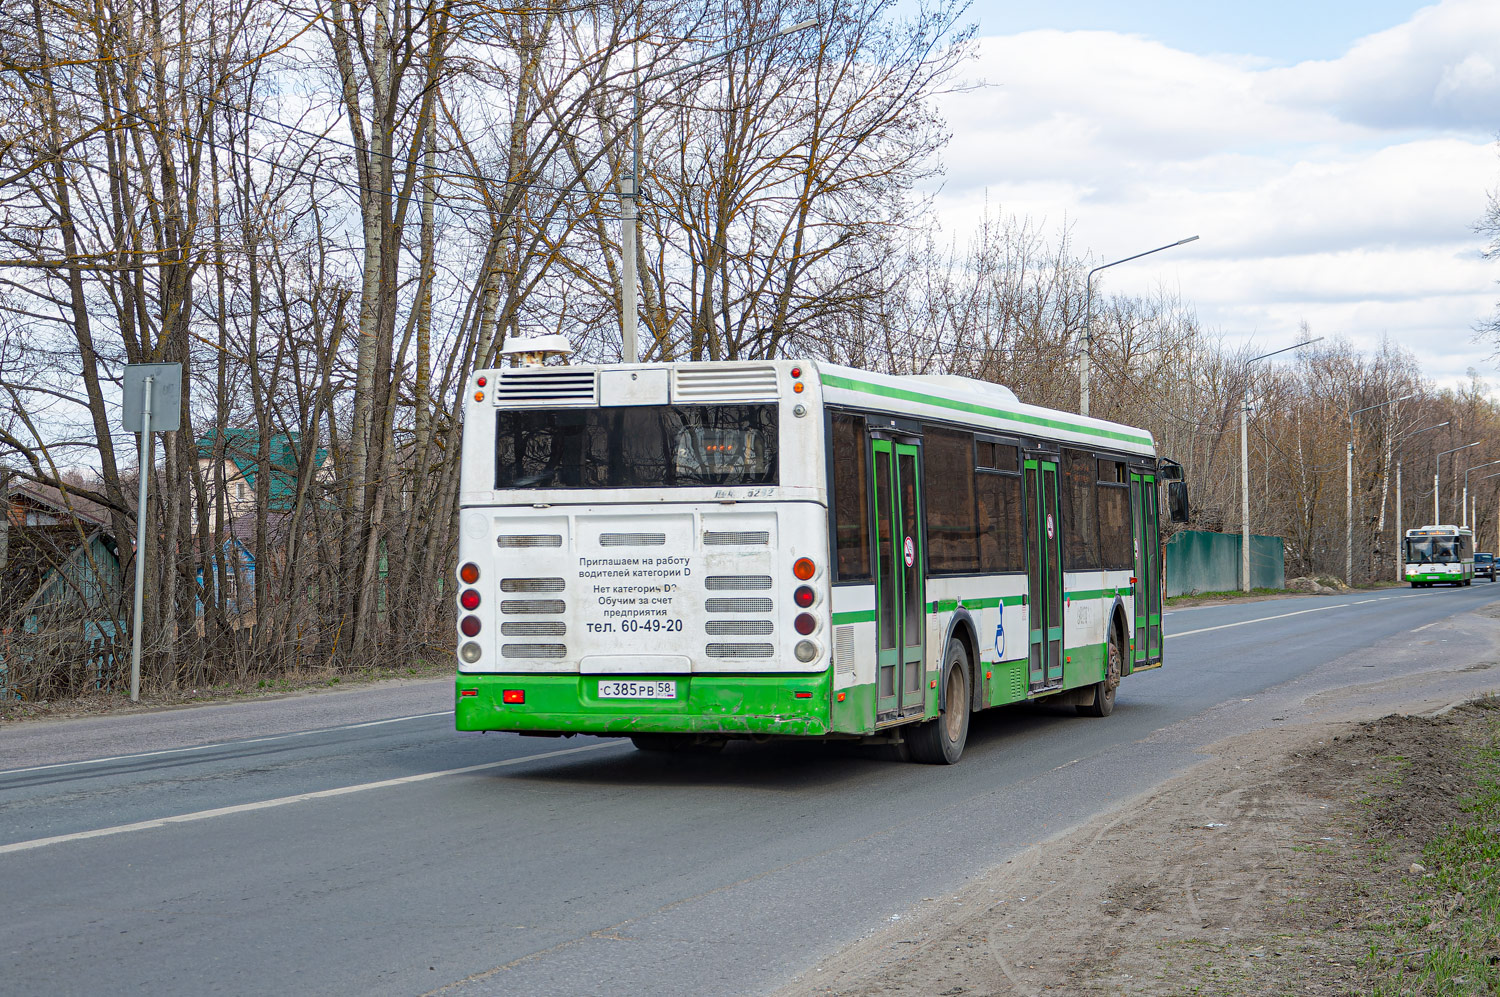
pixel 469 599
pixel 470 626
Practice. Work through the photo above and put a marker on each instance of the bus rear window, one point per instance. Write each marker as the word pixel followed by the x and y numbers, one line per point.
pixel 663 446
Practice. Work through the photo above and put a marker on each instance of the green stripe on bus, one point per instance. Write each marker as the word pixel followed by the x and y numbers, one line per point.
pixel 906 394
pixel 1098 593
pixel 949 605
pixel 854 616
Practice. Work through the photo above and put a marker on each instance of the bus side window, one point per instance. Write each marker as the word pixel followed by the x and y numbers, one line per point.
pixel 1080 528
pixel 952 534
pixel 851 503
pixel 1002 543
pixel 1115 546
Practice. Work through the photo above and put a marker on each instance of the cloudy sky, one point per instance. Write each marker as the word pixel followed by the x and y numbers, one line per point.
pixel 1333 156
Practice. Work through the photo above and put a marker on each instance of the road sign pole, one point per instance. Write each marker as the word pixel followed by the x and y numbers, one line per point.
pixel 140 545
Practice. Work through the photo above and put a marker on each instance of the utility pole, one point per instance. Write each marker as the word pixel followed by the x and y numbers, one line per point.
pixel 630 190
pixel 1349 487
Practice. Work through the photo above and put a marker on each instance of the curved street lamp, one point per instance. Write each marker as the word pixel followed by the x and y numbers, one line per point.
pixel 1437 516
pixel 1088 317
pixel 1245 463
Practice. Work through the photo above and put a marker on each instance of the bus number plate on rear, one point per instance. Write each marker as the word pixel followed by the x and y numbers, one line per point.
pixel 659 689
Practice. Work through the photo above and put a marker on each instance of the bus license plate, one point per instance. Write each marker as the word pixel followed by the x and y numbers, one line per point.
pixel 659 689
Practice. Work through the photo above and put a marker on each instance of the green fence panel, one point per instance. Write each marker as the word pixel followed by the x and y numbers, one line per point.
pixel 1198 561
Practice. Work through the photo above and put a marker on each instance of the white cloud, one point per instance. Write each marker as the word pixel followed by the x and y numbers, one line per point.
pixel 1342 192
pixel 1441 69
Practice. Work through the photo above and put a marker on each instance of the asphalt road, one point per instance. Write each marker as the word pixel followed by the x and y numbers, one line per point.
pixel 352 843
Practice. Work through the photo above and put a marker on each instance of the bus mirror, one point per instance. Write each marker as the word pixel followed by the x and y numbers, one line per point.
pixel 1177 501
pixel 1168 470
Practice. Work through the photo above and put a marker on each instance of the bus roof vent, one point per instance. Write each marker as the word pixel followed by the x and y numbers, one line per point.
pixel 740 383
pixel 545 386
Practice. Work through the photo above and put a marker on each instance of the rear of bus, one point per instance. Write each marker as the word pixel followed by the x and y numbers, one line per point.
pixel 643 550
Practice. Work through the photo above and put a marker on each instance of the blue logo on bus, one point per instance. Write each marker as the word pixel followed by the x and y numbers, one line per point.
pixel 1000 636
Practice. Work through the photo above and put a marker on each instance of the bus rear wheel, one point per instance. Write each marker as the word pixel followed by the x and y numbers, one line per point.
pixel 1104 690
pixel 941 741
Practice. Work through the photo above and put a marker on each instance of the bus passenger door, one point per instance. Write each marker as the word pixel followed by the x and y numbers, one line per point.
pixel 1044 575
pixel 899 588
pixel 1146 534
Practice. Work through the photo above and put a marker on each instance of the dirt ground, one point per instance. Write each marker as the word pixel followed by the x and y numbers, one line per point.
pixel 1260 871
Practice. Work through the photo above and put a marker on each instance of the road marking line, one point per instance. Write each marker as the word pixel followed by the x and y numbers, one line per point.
pixel 323 794
pixel 1300 612
pixel 1426 625
pixel 1246 623
pixel 221 744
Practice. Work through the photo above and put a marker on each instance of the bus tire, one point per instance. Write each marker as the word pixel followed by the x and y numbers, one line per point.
pixel 941 741
pixel 1104 690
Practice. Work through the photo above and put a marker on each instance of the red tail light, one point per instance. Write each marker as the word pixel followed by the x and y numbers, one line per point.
pixel 805 623
pixel 469 599
pixel 804 596
pixel 513 696
pixel 470 626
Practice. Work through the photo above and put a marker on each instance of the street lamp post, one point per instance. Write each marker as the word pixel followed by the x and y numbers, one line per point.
pixel 1401 537
pixel 1467 471
pixel 1088 318
pixel 1349 487
pixel 630 189
pixel 1476 504
pixel 1245 464
pixel 1437 515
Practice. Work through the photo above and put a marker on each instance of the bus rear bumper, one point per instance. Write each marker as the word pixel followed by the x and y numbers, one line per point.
pixel 704 704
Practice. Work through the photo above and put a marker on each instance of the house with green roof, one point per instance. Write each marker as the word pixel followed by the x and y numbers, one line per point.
pixel 242 463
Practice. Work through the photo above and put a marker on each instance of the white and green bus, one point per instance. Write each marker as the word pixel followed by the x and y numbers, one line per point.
pixel 687 553
pixel 1442 554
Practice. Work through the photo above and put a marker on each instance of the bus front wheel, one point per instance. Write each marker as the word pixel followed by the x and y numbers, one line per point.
pixel 1104 691
pixel 941 741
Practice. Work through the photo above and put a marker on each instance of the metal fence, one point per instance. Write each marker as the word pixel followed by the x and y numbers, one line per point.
pixel 1198 561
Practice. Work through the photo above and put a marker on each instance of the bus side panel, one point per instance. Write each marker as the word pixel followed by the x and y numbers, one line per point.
pixel 854 654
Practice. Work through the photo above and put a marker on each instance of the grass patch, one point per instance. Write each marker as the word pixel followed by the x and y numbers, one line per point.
pixel 1192 597
pixel 1444 939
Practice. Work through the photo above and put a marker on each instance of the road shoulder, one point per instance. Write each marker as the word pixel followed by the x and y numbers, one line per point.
pixel 1253 872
